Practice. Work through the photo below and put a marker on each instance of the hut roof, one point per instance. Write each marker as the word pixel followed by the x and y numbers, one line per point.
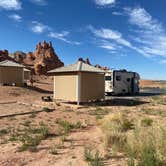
pixel 10 64
pixel 77 67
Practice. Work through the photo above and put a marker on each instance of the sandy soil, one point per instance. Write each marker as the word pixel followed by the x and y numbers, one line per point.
pixel 70 152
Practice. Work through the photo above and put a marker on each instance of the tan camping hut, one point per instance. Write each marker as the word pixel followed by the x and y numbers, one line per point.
pixel 79 83
pixel 11 73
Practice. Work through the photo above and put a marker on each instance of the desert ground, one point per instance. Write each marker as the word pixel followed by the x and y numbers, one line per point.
pixel 37 133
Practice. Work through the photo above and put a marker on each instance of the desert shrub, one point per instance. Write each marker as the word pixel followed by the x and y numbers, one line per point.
pixel 78 125
pixel 30 137
pixel 53 150
pixel 87 122
pixel 114 127
pixel 93 159
pixel 29 142
pixel 26 123
pixel 4 132
pixel 14 135
pixel 144 146
pixel 152 111
pixel 162 101
pixel 33 115
pixel 146 122
pixel 46 109
pixel 148 157
pixel 99 117
pixel 99 111
pixel 67 126
pixel 159 100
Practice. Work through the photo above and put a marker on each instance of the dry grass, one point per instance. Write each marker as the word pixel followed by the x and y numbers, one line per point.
pixel 144 145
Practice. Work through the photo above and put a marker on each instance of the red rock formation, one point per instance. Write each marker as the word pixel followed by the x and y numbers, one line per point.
pixel 44 58
pixel 19 56
pixel 85 61
pixel 97 65
pixel 3 55
pixel 40 61
pixel 102 67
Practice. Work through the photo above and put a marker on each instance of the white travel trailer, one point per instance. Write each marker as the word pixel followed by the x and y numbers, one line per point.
pixel 121 82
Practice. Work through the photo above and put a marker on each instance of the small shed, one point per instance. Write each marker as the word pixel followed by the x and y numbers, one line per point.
pixel 11 73
pixel 79 83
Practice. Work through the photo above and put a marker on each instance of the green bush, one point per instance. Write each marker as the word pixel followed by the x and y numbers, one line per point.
pixel 93 159
pixel 146 122
pixel 33 115
pixel 30 137
pixel 4 132
pixel 45 109
pixel 29 142
pixel 68 126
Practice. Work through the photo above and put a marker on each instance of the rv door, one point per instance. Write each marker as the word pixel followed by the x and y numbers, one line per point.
pixel 108 83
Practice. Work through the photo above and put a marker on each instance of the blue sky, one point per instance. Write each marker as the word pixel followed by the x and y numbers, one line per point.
pixel 120 34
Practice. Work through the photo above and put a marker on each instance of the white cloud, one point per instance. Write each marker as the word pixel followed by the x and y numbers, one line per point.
pixel 163 61
pixel 140 17
pixel 10 4
pixel 60 36
pixel 16 17
pixel 113 40
pixel 151 35
pixel 117 13
pixel 110 34
pixel 39 2
pixel 108 46
pixel 105 2
pixel 39 28
pixel 63 36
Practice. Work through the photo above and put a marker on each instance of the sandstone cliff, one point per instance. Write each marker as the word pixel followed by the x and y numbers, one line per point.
pixel 40 61
pixel 43 58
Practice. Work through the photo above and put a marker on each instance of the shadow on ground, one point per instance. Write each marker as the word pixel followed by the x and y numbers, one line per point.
pixel 119 102
pixel 37 89
pixel 112 102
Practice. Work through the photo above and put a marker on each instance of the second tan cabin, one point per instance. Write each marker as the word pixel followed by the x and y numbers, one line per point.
pixel 79 83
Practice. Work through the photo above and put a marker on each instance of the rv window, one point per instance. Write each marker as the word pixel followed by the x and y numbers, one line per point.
pixel 118 78
pixel 108 78
pixel 128 79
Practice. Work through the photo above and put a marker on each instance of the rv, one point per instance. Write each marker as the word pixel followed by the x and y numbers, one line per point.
pixel 121 82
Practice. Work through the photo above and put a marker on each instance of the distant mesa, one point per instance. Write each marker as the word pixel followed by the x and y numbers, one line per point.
pixel 40 61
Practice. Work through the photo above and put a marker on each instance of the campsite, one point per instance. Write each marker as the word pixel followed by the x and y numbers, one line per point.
pixel 82 83
pixel 56 114
pixel 71 134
